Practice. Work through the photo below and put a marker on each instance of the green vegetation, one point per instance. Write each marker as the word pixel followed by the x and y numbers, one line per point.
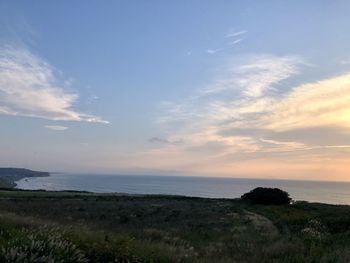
pixel 39 226
pixel 267 196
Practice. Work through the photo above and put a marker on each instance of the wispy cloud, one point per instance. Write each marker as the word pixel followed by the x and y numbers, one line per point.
pixel 252 112
pixel 235 37
pixel 29 87
pixel 235 41
pixel 236 33
pixel 258 75
pixel 234 100
pixel 56 127
pixel 344 61
pixel 159 140
pixel 213 51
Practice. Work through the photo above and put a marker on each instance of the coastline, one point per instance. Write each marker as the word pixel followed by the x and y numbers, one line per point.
pixel 10 176
pixel 320 192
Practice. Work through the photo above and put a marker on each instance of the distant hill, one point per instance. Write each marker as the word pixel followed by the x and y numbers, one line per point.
pixel 21 172
pixel 8 176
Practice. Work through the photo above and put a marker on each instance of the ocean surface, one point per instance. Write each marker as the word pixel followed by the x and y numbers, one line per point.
pixel 312 191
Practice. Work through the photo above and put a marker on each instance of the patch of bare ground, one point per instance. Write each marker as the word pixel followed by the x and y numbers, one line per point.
pixel 262 224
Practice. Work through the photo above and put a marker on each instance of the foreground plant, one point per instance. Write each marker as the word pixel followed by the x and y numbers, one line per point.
pixel 43 245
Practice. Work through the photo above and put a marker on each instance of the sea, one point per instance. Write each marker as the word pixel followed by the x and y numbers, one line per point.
pixel 311 191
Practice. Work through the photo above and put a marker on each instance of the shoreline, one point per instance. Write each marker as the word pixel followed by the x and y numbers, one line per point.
pixel 319 192
pixel 10 176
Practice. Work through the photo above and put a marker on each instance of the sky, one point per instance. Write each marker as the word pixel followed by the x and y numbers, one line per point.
pixel 252 89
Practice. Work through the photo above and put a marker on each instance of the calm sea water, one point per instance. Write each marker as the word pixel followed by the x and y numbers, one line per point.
pixel 325 192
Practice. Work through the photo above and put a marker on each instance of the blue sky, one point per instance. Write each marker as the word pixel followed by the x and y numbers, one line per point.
pixel 219 88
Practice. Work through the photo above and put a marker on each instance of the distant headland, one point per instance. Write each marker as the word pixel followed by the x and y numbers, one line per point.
pixel 8 176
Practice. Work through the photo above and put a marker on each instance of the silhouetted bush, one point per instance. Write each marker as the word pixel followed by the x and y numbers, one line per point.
pixel 267 196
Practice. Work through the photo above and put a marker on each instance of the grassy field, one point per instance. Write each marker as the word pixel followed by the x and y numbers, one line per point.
pixel 83 227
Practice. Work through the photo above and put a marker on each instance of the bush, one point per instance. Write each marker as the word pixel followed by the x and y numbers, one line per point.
pixel 267 196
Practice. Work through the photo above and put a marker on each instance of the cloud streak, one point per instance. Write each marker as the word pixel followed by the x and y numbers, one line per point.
pixel 235 42
pixel 213 51
pixel 30 88
pixel 236 33
pixel 56 127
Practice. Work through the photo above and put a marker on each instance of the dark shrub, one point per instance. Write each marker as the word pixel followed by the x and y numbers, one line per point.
pixel 267 196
